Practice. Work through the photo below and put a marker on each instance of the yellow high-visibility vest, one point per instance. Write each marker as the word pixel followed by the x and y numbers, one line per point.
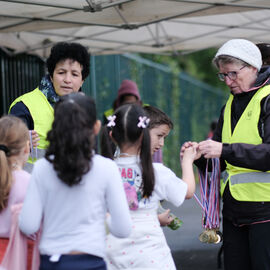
pixel 245 184
pixel 42 113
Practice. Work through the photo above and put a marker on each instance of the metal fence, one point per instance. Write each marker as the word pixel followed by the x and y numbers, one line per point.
pixel 18 75
pixel 191 104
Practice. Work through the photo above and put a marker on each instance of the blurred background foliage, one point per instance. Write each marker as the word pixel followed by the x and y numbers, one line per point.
pixel 197 64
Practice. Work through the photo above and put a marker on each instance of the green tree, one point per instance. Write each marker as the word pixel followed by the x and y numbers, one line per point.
pixel 197 64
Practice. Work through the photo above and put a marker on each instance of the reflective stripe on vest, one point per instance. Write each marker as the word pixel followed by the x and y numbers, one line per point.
pixel 42 114
pixel 245 184
pixel 244 178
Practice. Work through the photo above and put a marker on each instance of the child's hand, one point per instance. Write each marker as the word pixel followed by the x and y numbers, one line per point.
pixel 183 148
pixel 188 156
pixel 190 152
pixel 165 218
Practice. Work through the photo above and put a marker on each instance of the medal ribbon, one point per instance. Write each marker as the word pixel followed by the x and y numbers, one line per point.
pixel 209 189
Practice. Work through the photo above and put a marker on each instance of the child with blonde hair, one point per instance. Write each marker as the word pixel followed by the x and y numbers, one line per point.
pixel 14 152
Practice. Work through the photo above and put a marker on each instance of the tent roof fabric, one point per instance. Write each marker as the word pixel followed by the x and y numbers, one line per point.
pixel 119 26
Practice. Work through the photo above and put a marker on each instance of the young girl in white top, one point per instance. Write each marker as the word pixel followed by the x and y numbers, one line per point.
pixel 145 183
pixel 14 152
pixel 70 191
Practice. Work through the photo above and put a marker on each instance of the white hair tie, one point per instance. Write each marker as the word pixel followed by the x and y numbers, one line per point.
pixel 111 119
pixel 143 122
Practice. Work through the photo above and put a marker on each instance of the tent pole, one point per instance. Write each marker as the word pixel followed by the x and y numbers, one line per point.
pixel 93 76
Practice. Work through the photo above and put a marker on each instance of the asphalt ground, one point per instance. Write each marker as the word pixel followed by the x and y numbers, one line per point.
pixel 196 259
pixel 188 252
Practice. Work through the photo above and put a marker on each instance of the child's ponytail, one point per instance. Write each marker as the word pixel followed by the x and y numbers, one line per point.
pixel 106 144
pixel 5 178
pixel 129 126
pixel 146 164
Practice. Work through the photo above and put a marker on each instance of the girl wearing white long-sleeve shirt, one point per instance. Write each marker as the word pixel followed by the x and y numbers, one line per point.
pixel 70 191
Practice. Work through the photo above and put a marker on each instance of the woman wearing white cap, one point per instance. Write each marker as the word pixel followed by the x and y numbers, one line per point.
pixel 242 142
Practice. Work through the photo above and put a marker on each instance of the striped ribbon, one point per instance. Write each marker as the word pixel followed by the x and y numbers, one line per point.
pixel 209 189
pixel 33 154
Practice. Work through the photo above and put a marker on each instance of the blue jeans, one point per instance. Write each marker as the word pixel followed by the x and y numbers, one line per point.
pixel 72 262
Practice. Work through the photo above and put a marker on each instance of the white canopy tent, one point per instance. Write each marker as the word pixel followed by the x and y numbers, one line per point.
pixel 118 26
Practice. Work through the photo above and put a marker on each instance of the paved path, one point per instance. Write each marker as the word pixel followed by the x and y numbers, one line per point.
pixel 188 252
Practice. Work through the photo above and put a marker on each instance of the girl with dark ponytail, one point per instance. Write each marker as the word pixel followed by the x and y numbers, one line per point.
pixel 72 189
pixel 145 184
pixel 135 140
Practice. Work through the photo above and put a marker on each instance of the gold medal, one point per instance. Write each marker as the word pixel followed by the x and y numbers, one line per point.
pixel 210 236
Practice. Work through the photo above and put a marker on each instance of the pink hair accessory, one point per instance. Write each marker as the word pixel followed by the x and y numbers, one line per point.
pixel 111 119
pixel 143 121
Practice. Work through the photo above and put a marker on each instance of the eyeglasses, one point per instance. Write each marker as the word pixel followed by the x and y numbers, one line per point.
pixel 232 74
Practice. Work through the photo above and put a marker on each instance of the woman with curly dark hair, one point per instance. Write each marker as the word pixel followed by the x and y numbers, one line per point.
pixel 71 190
pixel 68 66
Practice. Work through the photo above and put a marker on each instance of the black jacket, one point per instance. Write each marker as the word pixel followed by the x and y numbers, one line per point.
pixel 250 156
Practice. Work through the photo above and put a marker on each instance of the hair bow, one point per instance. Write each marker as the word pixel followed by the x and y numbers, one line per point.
pixel 111 119
pixel 143 121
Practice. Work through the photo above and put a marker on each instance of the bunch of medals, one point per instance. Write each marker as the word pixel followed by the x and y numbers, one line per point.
pixel 210 203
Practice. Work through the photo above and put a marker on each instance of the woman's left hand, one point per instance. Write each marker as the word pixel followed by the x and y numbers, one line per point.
pixel 35 138
pixel 210 149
